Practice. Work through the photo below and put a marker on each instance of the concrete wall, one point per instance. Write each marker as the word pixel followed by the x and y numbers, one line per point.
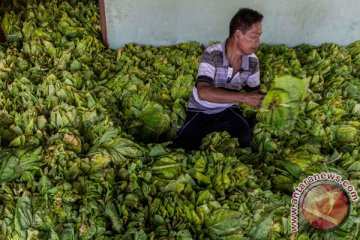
pixel 166 22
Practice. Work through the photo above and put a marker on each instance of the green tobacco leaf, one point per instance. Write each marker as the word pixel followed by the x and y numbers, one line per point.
pixel 224 222
pixel 23 216
pixel 262 230
pixel 295 87
pixel 116 221
pixel 9 168
pixel 155 121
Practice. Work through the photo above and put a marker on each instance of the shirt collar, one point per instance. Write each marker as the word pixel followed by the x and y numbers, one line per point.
pixel 245 62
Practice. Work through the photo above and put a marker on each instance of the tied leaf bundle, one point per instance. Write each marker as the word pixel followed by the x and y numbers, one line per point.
pixel 282 104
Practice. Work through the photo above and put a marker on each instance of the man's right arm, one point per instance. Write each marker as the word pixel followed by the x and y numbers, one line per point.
pixel 210 93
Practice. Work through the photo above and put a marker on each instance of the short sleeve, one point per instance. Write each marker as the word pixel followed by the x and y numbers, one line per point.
pixel 206 71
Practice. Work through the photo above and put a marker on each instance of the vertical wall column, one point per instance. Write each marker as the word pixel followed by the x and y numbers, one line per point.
pixel 104 33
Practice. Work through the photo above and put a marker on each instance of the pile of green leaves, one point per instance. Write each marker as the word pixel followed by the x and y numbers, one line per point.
pixel 86 135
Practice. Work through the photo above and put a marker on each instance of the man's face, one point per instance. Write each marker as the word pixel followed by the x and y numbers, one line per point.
pixel 248 42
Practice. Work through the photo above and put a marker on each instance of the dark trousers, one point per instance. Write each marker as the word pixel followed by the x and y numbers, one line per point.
pixel 197 125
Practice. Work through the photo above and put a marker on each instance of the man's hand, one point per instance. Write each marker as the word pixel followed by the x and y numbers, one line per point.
pixel 253 98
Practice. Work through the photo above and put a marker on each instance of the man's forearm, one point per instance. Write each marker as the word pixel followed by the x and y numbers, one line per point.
pixel 218 95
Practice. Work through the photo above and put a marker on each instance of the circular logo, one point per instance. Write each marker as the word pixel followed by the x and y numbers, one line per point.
pixel 325 205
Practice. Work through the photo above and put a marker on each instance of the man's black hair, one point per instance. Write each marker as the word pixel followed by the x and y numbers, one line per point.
pixel 244 19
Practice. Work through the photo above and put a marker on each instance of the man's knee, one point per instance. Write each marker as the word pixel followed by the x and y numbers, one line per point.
pixel 244 141
pixel 187 141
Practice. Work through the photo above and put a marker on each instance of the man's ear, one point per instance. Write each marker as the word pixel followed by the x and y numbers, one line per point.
pixel 237 33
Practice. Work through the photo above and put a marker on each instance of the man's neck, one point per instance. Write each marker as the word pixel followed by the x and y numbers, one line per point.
pixel 233 54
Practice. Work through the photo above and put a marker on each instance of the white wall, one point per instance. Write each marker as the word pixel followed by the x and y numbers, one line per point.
pixel 166 22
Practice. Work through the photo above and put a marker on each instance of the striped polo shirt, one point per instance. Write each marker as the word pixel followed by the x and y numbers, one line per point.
pixel 214 68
